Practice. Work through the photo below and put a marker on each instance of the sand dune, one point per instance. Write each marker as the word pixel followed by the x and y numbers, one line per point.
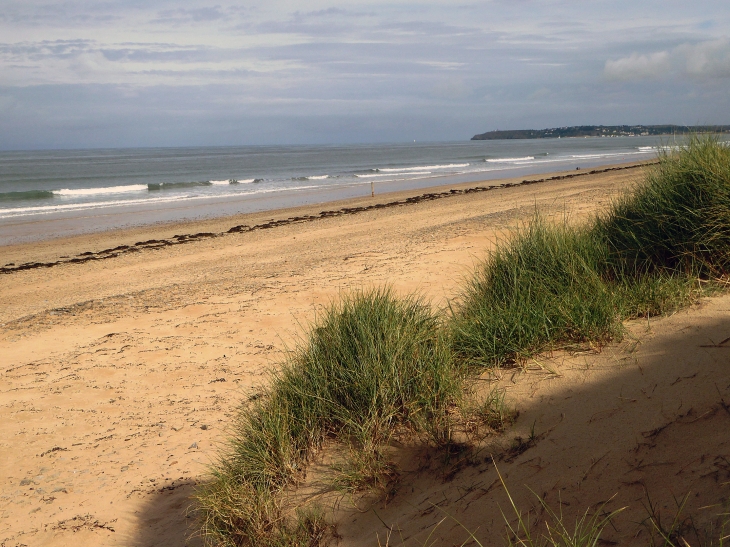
pixel 640 425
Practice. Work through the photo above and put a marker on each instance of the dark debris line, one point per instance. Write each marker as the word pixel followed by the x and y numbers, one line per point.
pixel 186 238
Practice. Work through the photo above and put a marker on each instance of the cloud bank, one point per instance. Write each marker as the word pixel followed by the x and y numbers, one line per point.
pixel 76 73
pixel 704 60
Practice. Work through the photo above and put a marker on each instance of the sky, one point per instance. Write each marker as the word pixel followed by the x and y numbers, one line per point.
pixel 128 73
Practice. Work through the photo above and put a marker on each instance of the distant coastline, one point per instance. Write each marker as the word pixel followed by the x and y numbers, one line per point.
pixel 601 131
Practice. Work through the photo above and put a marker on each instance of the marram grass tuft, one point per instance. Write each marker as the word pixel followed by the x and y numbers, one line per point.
pixel 677 220
pixel 539 289
pixel 373 364
pixel 554 285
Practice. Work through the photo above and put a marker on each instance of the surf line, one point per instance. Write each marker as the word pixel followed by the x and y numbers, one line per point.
pixel 243 228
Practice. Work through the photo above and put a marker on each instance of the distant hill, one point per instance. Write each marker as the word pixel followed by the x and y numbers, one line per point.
pixel 601 131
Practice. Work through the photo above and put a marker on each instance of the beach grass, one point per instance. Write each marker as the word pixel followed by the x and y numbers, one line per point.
pixel 372 365
pixel 538 290
pixel 677 220
pixel 585 532
pixel 375 365
pixel 553 285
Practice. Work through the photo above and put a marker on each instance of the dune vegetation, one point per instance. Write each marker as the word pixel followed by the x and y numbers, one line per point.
pixel 376 365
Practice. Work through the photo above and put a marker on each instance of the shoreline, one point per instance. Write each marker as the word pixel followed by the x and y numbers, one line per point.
pixel 117 242
pixel 74 194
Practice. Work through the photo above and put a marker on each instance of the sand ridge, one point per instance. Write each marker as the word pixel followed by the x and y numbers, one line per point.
pixel 119 377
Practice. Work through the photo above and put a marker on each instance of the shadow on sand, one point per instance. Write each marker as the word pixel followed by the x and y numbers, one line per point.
pixel 166 519
pixel 641 425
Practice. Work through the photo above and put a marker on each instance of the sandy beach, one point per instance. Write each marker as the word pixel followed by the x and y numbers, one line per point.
pixel 122 368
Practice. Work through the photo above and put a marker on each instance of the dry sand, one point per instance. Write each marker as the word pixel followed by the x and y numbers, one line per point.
pixel 119 376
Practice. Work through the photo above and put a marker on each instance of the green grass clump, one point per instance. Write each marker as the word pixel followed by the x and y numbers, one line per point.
pixel 678 220
pixel 539 288
pixel 374 364
pixel 553 285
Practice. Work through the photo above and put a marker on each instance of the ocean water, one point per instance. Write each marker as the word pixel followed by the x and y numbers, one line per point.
pixel 64 192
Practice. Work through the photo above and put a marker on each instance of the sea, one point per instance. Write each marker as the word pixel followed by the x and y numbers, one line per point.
pixel 54 193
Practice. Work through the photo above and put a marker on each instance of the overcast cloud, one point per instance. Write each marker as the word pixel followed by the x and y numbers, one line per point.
pixel 130 73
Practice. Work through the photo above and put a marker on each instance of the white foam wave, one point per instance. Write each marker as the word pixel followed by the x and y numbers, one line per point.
pixel 409 173
pixel 510 160
pixel 605 155
pixel 318 177
pixel 220 182
pixel 49 209
pixel 422 168
pixel 544 161
pixel 71 207
pixel 97 191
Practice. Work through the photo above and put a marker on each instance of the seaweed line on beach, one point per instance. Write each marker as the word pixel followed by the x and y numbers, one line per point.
pixel 114 252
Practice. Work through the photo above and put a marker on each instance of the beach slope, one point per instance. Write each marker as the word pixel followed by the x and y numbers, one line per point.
pixel 120 375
